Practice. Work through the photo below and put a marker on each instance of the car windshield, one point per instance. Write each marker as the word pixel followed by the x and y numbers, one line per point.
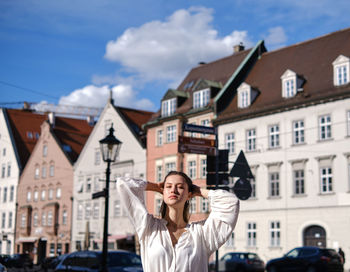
pixel 293 253
pixel 123 259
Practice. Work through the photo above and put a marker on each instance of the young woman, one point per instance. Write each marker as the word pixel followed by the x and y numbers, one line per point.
pixel 171 243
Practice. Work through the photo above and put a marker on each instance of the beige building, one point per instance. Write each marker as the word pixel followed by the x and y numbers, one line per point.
pixel 43 226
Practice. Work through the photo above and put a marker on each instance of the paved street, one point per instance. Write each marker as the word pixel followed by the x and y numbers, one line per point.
pixel 34 269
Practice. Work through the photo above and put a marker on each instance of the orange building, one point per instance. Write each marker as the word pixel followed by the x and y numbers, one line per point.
pixel 205 91
pixel 43 225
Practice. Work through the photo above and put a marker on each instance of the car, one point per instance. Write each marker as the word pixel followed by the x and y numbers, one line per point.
pixel 3 258
pixel 239 262
pixel 308 259
pixel 19 261
pixel 51 262
pixel 90 261
pixel 2 268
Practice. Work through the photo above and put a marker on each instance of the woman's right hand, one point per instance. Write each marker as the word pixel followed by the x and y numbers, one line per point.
pixel 155 187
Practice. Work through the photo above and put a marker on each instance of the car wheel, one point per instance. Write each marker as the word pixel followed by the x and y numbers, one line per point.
pixel 311 269
pixel 272 269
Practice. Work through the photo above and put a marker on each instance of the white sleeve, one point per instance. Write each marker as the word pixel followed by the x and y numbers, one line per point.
pixel 222 219
pixel 131 192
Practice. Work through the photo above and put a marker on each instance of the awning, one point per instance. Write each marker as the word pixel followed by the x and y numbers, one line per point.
pixel 26 239
pixel 113 238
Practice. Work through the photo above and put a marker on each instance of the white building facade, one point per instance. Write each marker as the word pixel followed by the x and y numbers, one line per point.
pixel 90 176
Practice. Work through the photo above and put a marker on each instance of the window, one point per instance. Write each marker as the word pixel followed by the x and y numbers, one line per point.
pixel 158 205
pixel 274 136
pixel 43 194
pixel 348 122
pixel 52 249
pixel 44 150
pixel 117 208
pixel 8 170
pixel 37 172
pixel 171 166
pixel 49 218
pixel 3 220
pixel 12 193
pixel 253 184
pixel 274 184
pixel 192 172
pixel 251 234
pixel 58 193
pixel 275 234
pixel 96 183
pixel 43 173
pixel 289 88
pixel 201 98
pixel 251 140
pixel 29 196
pixel 298 132
pixel 203 169
pixel 23 220
pixel 80 211
pixel 88 184
pixel 36 195
pixel 4 151
pixel 3 170
pixel 230 142
pixel 193 205
pixel 43 219
pixel 204 205
pixel 171 133
pixel 96 211
pixel 341 68
pixel 59 249
pixel 4 198
pixel 159 137
pixel 50 194
pixel 9 225
pixel 64 217
pixel 299 186
pixel 243 98
pixel 159 172
pixel 35 219
pixel 326 180
pixel 97 156
pixel 168 107
pixel 87 210
pixel 205 123
pixel 291 83
pixel 245 95
pixel 325 128
pixel 52 170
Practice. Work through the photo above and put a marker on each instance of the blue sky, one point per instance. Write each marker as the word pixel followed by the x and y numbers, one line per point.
pixel 72 52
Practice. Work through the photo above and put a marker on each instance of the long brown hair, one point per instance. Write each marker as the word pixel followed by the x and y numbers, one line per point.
pixel 186 213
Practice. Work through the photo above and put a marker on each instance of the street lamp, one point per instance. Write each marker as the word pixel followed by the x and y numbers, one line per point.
pixel 110 147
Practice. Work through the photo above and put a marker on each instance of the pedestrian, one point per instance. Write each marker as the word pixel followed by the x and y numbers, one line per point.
pixel 342 254
pixel 170 243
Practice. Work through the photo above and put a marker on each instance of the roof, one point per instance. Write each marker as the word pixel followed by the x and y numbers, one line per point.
pixel 24 124
pixel 214 74
pixel 311 60
pixel 135 119
pixel 72 135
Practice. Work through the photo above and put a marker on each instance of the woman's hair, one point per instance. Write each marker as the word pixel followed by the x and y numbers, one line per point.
pixel 186 213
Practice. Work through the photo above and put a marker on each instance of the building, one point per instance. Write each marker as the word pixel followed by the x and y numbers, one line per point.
pixel 45 189
pixel 291 117
pixel 19 132
pixel 206 88
pixel 89 178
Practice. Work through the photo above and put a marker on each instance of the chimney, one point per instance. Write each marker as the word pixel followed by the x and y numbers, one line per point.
pixel 51 116
pixel 91 120
pixel 111 100
pixel 238 48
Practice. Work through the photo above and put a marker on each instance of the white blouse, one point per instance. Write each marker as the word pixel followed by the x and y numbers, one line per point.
pixel 195 245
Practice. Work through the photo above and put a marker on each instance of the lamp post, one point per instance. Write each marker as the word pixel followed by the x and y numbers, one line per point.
pixel 110 147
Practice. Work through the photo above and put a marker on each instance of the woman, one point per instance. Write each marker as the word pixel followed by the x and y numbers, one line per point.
pixel 170 243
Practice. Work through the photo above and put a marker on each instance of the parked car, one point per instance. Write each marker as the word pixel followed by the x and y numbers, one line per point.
pixel 239 262
pixel 51 262
pixel 308 259
pixel 19 261
pixel 2 268
pixel 3 258
pixel 90 261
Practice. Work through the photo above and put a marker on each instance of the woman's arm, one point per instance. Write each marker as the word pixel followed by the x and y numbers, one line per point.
pixel 199 191
pixel 155 187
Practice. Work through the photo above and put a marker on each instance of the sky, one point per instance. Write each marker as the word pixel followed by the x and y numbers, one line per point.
pixel 73 52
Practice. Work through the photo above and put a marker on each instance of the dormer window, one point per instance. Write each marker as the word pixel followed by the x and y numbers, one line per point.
pixel 201 98
pixel 245 95
pixel 168 107
pixel 291 84
pixel 341 68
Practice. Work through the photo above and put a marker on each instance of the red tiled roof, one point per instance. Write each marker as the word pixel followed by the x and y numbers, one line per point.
pixel 311 60
pixel 72 135
pixel 21 123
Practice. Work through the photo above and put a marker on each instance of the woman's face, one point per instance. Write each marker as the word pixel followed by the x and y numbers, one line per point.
pixel 175 191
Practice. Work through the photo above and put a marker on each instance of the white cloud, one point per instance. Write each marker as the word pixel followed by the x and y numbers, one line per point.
pixel 94 96
pixel 168 49
pixel 276 37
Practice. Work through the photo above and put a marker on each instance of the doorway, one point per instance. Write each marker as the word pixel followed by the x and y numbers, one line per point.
pixel 315 236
